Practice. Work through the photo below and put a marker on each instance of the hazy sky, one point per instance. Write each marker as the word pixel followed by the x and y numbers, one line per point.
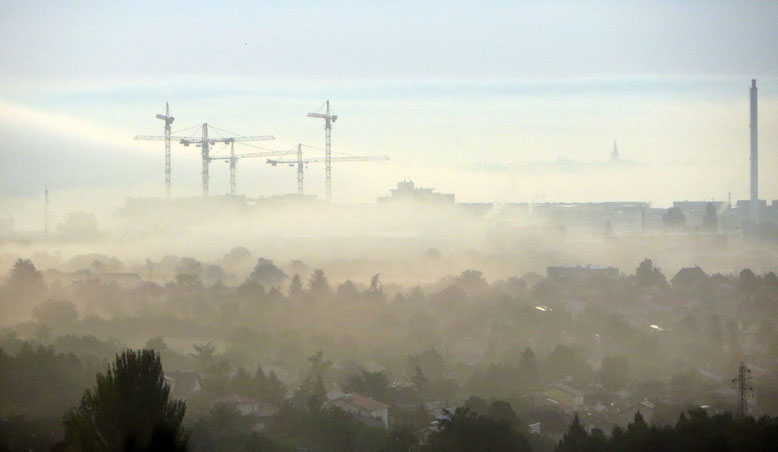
pixel 493 101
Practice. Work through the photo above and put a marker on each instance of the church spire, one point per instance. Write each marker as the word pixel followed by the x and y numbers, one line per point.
pixel 615 153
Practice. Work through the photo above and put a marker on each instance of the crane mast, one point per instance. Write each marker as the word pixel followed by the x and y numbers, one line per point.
pixel 168 121
pixel 299 170
pixel 328 120
pixel 205 143
pixel 301 163
pixel 204 153
pixel 232 159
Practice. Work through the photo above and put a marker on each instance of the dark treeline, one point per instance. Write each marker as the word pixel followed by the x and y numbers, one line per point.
pixel 129 408
pixel 289 340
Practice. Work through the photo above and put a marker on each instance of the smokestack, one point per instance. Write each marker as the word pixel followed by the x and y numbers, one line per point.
pixel 754 156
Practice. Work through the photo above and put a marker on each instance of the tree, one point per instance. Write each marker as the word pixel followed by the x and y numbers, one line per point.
pixel 213 365
pixel 674 218
pixel 710 221
pixel 311 392
pixel 472 282
pixel 419 380
pixel 477 405
pixel 371 384
pixel 296 287
pixel 189 281
pixel 565 361
pixel 500 410
pixel 402 438
pixel 267 274
pixel 649 276
pixel 464 431
pixel 24 286
pixel 376 290
pixel 157 344
pixel 128 408
pixel 318 284
pixel 347 291
pixel 237 256
pixel 224 428
pixel 61 315
pixel 528 367
pixel 190 266
pixel 575 438
pixel 614 373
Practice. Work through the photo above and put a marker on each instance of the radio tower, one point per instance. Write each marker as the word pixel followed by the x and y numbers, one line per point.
pixel 741 382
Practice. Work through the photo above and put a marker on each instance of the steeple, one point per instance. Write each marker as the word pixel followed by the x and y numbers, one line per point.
pixel 615 153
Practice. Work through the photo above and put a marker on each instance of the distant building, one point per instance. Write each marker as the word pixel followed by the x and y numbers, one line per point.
pixel 259 411
pixel 615 154
pixel 407 191
pixel 694 211
pixel 564 397
pixel 367 410
pixel 567 272
pixel 247 406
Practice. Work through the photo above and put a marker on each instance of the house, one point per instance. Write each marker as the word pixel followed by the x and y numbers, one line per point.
pixel 259 410
pixel 248 406
pixel 367 410
pixel 183 384
pixel 405 398
pixel 549 421
pixel 564 397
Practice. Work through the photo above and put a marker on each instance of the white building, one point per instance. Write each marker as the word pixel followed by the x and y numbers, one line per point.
pixel 367 409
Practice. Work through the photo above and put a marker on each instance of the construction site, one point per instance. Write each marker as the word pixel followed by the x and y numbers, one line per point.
pixel 212 141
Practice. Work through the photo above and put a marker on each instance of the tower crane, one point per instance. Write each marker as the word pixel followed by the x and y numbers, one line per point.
pixel 328 120
pixel 205 144
pixel 301 162
pixel 168 121
pixel 232 159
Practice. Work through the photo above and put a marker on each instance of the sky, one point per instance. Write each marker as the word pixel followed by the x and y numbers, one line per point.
pixel 492 101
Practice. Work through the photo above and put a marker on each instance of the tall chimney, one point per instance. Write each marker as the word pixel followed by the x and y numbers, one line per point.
pixel 754 156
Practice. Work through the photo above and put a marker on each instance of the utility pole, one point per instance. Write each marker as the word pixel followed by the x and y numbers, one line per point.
pixel 328 120
pixel 741 383
pixel 168 121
